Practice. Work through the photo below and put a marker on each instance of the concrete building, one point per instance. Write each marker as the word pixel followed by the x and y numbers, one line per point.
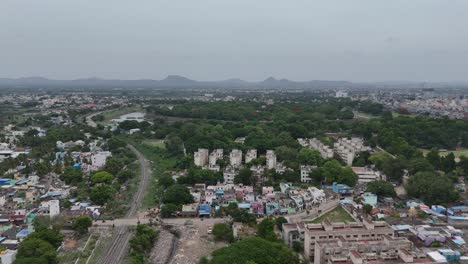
pixel 366 175
pixel 200 157
pixel 216 155
pixel 372 250
pixel 51 207
pixel 325 151
pixel 305 171
pixel 365 230
pixel 99 159
pixel 271 159
pixel 347 149
pixel 229 174
pixel 235 157
pixel 250 155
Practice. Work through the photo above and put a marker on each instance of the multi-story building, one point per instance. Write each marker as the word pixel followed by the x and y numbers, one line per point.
pixel 200 157
pixel 216 155
pixel 355 230
pixel 271 159
pixel 325 151
pixel 250 155
pixel 366 175
pixel 373 250
pixel 305 172
pixel 347 149
pixel 229 174
pixel 235 157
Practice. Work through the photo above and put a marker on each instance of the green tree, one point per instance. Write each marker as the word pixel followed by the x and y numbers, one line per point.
pixel 432 188
pixel 37 248
pixel 143 240
pixel 177 194
pixel 165 180
pixel 265 229
pixel 245 177
pixel 169 210
pixel 223 232
pixel 310 156
pixel 102 177
pixel 48 235
pixel 101 194
pixel 81 224
pixel 280 221
pixel 255 250
pixel 434 158
pixel 448 163
pixel 381 188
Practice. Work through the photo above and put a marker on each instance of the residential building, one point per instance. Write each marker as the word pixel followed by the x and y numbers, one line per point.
pixel 271 159
pixel 305 172
pixel 366 175
pixel 347 149
pixel 99 158
pixel 366 230
pixel 250 155
pixel 229 174
pixel 235 157
pixel 200 157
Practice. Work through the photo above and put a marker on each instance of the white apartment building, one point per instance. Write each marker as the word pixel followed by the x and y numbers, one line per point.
pixel 99 159
pixel 271 159
pixel 229 174
pixel 235 157
pixel 305 171
pixel 250 155
pixel 200 157
pixel 216 155
pixel 347 149
pixel 325 151
pixel 51 207
pixel 366 175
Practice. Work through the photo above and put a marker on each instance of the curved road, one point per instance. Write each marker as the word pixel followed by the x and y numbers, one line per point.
pixel 116 251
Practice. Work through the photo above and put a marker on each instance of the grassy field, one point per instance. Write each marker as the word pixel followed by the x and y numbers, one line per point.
pixel 457 153
pixel 114 113
pixel 154 143
pixel 161 163
pixel 336 215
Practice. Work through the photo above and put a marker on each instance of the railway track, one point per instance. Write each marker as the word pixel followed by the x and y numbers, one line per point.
pixel 118 248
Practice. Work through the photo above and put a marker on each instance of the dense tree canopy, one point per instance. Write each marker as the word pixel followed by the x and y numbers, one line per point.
pixel 432 188
pixel 257 250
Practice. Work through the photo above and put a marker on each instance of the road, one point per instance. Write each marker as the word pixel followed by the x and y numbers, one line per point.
pixel 89 119
pixel 118 247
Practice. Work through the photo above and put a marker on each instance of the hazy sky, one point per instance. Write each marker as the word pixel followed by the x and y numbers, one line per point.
pixel 360 40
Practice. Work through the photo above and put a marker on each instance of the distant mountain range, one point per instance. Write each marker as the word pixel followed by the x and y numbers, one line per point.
pixel 177 81
pixel 171 81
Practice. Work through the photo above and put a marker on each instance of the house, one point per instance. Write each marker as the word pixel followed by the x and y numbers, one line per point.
pixel 98 159
pixel 305 172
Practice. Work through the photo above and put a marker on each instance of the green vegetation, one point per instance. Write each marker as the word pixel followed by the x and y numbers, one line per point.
pixel 223 232
pixel 381 188
pixel 141 243
pixel 81 224
pixel 336 215
pixel 432 187
pixel 255 250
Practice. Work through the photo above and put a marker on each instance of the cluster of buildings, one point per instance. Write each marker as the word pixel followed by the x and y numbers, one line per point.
pixel 372 242
pixel 346 149
pixel 288 200
pixel 204 159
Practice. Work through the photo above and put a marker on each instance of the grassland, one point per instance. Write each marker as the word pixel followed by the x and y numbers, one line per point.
pixel 457 153
pixel 336 215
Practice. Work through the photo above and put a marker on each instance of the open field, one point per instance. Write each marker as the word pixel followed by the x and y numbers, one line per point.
pixel 457 153
pixel 336 215
pixel 114 113
pixel 154 143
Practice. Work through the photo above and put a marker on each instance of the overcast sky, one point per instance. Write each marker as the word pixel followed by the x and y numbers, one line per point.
pixel 360 40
